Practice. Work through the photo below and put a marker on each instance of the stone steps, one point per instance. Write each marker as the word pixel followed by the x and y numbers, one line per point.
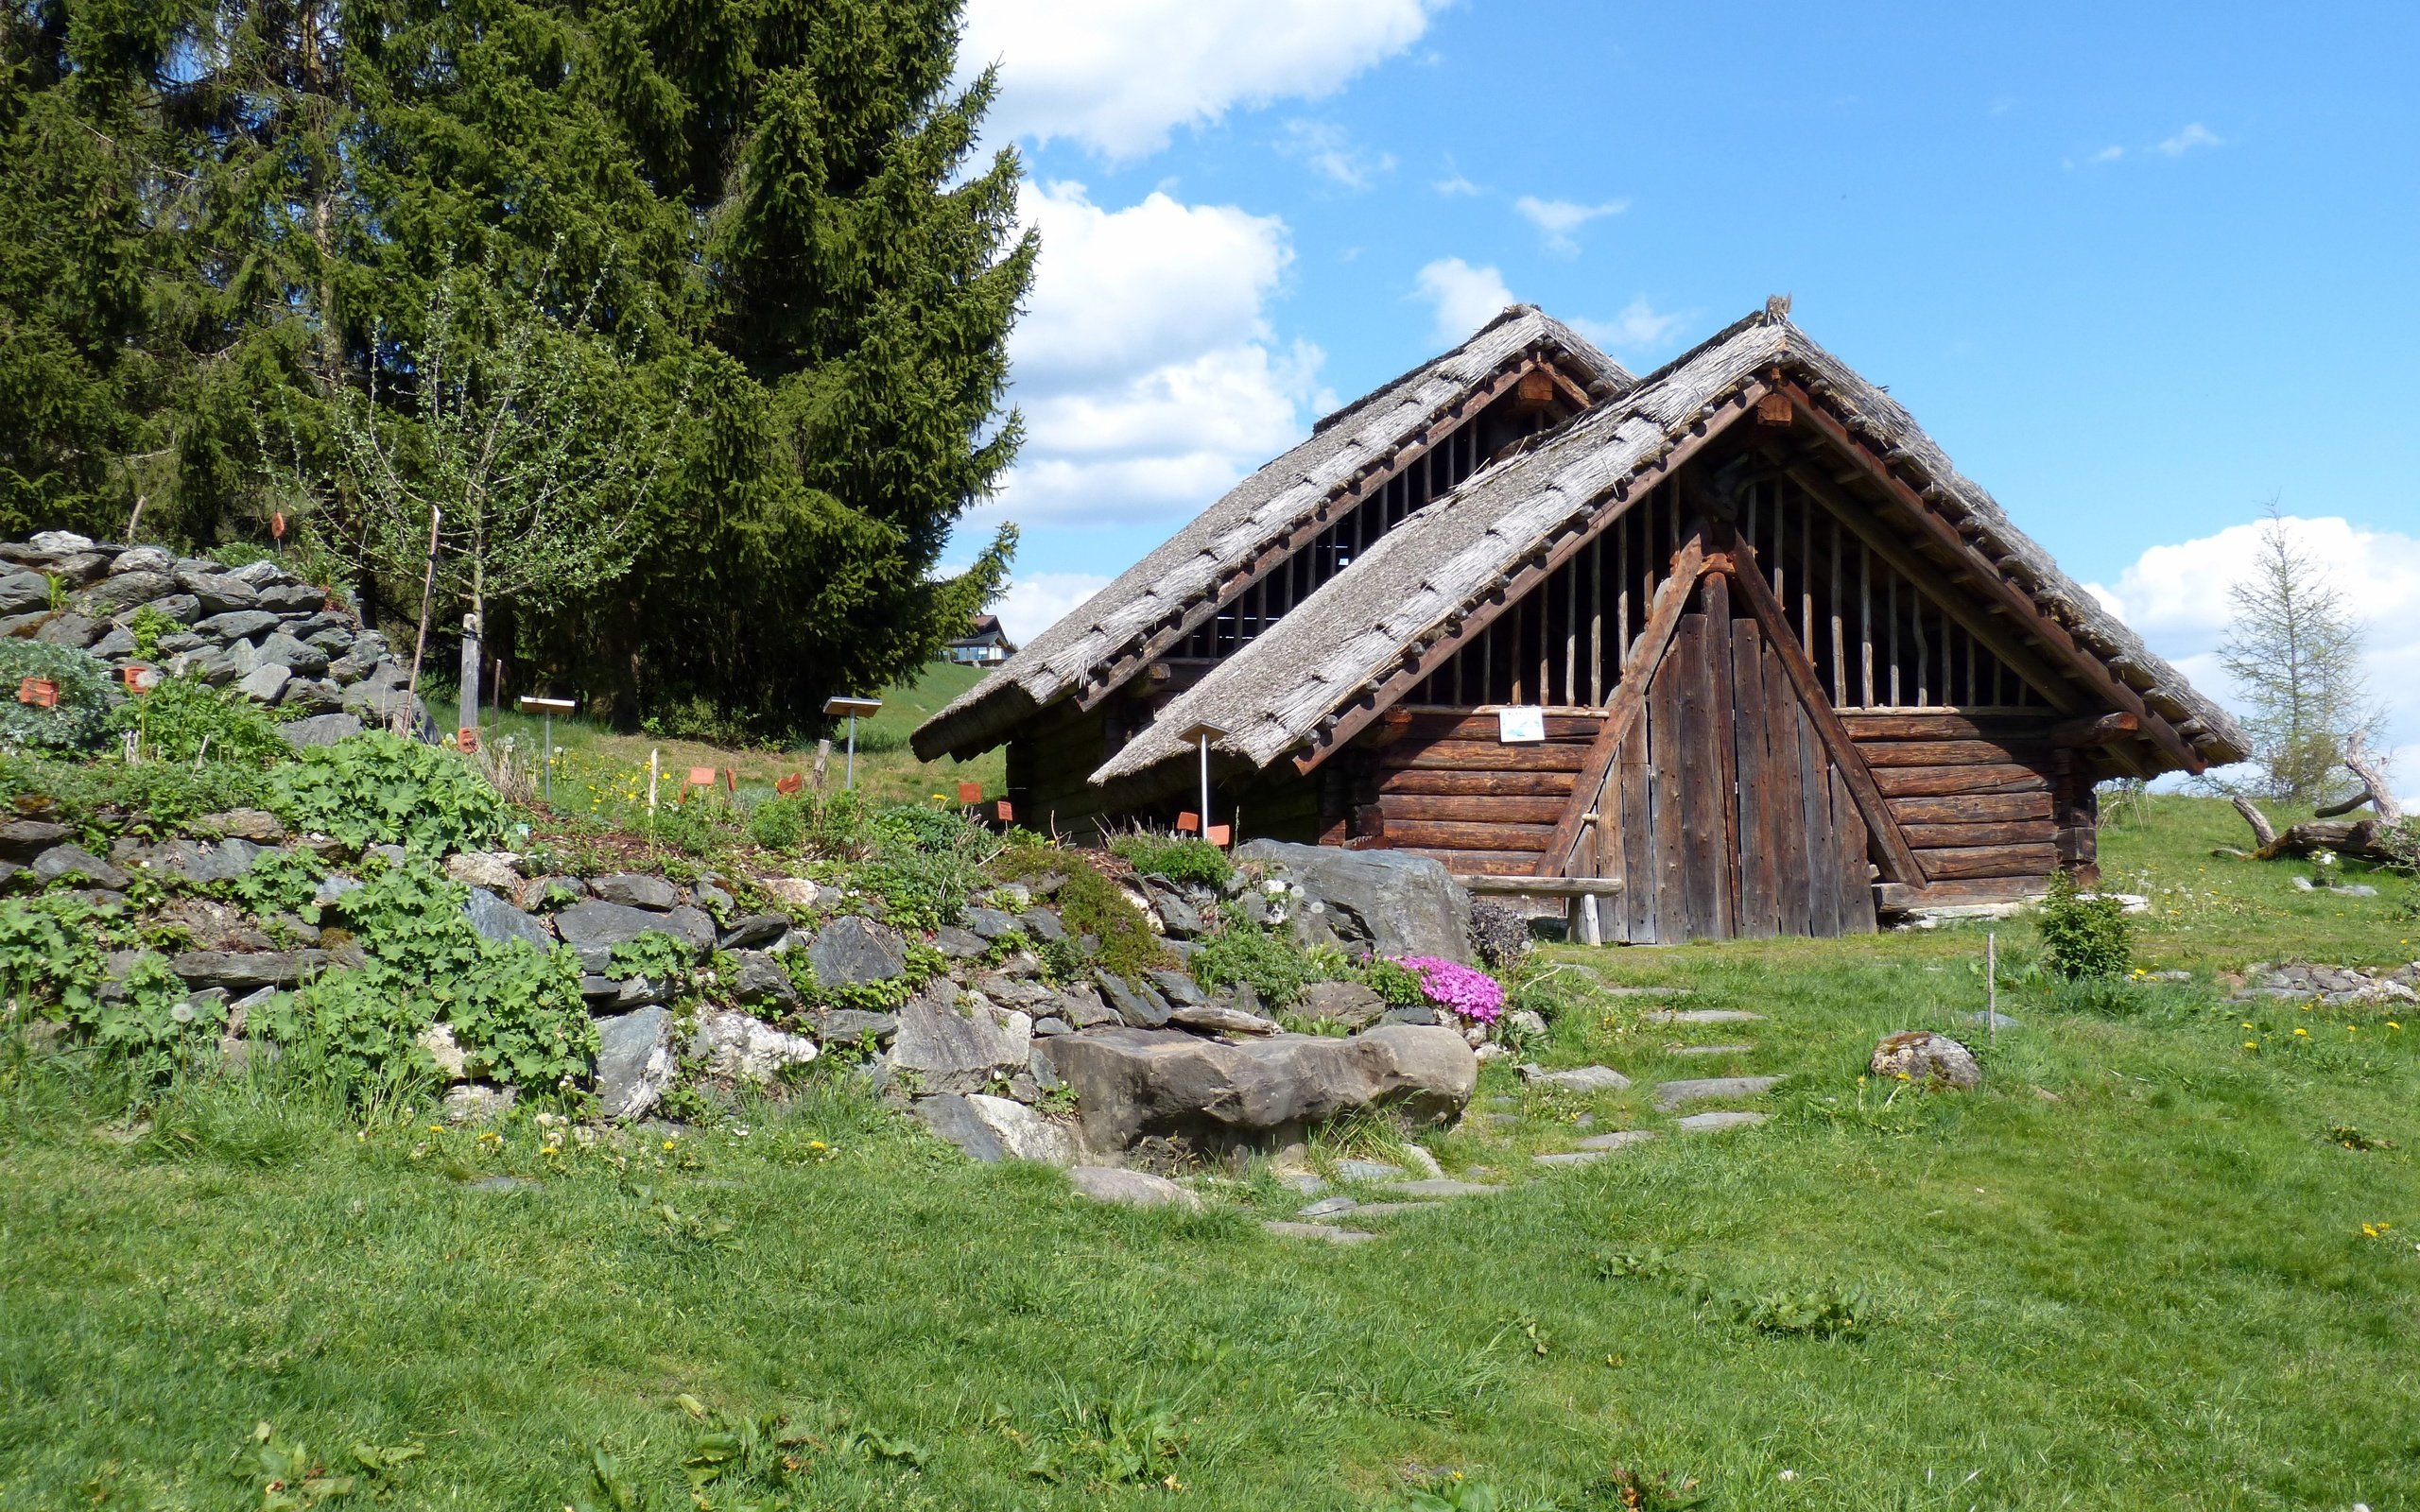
pixel 1672 1094
pixel 1709 1050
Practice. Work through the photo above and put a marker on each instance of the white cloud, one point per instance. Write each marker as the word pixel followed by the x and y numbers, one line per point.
pixel 1464 297
pixel 1118 76
pixel 1639 327
pixel 1332 154
pixel 1559 218
pixel 1037 600
pixel 1454 185
pixel 2108 154
pixel 1145 364
pixel 2194 135
pixel 2177 597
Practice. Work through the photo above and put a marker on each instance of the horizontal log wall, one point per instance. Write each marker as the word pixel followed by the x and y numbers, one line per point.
pixel 1439 781
pixel 1973 795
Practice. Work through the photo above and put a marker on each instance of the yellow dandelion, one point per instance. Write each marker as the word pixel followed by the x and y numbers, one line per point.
pixel 436 1128
pixel 2304 1032
pixel 2247 1025
pixel 816 1145
pixel 2252 1045
pixel 2392 1025
pixel 669 1144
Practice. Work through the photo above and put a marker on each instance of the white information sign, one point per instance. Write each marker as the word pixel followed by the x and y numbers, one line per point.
pixel 1520 726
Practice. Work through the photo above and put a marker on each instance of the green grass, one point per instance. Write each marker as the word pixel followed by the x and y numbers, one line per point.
pixel 2131 1272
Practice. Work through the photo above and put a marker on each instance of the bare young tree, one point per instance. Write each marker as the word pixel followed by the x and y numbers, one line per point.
pixel 2294 650
pixel 498 480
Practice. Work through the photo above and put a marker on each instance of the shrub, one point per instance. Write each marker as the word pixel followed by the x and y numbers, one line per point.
pixel 182 719
pixel 153 798
pixel 1244 956
pixel 50 958
pixel 1175 858
pixel 1464 990
pixel 1398 984
pixel 1089 904
pixel 82 715
pixel 1499 935
pixel 379 789
pixel 2085 935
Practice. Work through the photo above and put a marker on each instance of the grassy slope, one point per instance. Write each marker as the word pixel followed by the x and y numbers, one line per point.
pixel 2130 1272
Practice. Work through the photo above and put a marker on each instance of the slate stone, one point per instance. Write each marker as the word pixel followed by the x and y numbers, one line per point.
pixel 143 559
pixel 739 1048
pixel 1179 989
pixel 321 729
pixel 499 921
pixel 1418 1013
pixel 1176 911
pixel 1042 924
pixel 117 594
pixel 1991 1019
pixel 958 944
pixel 291 597
pixel 73 861
pixel 595 988
pixel 264 682
pixel 693 925
pixel 1714 1123
pixel 1389 901
pixel 1317 1230
pixel 1621 1139
pixel 499 871
pixel 184 608
pixel 1694 1015
pixel 24 592
pixel 996 1129
pixel 219 592
pixel 635 1062
pixel 243 971
pixel 1214 1018
pixel 238 625
pixel 1585 1081
pixel 1570 1157
pixel 593 929
pixel 205 862
pixel 846 1026
pixel 75 631
pixel 756 977
pixel 991 923
pixel 1045 1028
pixel 751 932
pixel 1350 1004
pixel 1367 1170
pixel 1440 1186
pixel 281 649
pixel 257 825
pixel 1926 1060
pixel 1327 1208
pixel 1081 1007
pixel 1672 1094
pixel 1129 1189
pixel 850 950
pixel 945 1051
pixel 24 839
pixel 636 889
pixel 1138 1006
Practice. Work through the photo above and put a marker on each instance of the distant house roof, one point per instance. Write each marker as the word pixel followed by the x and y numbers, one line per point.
pixel 986 628
pixel 1287 690
pixel 1154 601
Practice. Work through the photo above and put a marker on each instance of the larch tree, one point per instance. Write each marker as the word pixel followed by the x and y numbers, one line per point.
pixel 2294 651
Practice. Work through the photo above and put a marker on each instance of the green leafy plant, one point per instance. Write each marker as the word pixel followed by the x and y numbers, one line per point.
pixel 182 719
pixel 280 881
pixel 2085 935
pixel 379 789
pixel 1244 956
pixel 81 716
pixel 1399 985
pixel 50 958
pixel 1175 858
pixel 105 797
pixel 1090 904
pixel 148 626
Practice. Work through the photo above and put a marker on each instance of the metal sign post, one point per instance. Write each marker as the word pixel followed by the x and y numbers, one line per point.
pixel 1205 733
pixel 549 707
pixel 852 707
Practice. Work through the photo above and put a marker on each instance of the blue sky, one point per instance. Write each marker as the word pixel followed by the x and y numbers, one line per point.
pixel 2137 269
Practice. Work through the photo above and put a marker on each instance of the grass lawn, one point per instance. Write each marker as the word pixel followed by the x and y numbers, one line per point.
pixel 2131 1272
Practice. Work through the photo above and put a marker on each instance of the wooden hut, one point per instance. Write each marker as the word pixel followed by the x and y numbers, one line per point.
pixel 1734 635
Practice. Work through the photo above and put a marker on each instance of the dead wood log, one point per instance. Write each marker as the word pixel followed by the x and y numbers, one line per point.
pixel 2365 839
pixel 2374 789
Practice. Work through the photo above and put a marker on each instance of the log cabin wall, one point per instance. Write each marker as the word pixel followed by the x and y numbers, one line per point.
pixel 1049 763
pixel 1976 795
pixel 1439 782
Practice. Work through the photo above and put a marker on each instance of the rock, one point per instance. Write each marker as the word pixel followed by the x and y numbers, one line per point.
pixel 739 1048
pixel 238 625
pixel 143 559
pixel 25 839
pixel 319 729
pixel 1138 1005
pixel 1327 1208
pixel 75 631
pixel 850 951
pixel 1672 1094
pixel 499 870
pixel 753 932
pixel 938 1050
pixel 23 592
pixel 636 889
pixel 2356 890
pixel 116 643
pixel 635 1063
pixel 59 543
pixel 991 923
pixel 1129 1189
pixel 278 649
pixel 593 929
pixel 692 926
pixel 1991 1019
pixel 499 921
pixel 1393 903
pixel 1418 1013
pixel 1181 990
pixel 1177 913
pixel 219 592
pixel 958 944
pixel 1587 1080
pixel 1042 924
pixel 797 892
pixel 1714 1123
pixel 1043 1028
pixel 996 1129
pixel 1317 1230
pixel 116 594
pixel 244 971
pixel 473 1102
pixel 1526 1022
pixel 205 862
pixel 756 977
pixel 76 862
pixel 1209 1018
pixel 1081 1007
pixel 1621 1139
pixel 289 597
pixel 1367 1171
pixel 1132 1083
pixel 1935 1060
pixel 445 1052
pixel 255 825
pixel 847 1026
pixel 264 682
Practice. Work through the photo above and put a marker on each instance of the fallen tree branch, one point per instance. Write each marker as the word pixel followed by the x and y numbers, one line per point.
pixel 2263 831
pixel 2366 839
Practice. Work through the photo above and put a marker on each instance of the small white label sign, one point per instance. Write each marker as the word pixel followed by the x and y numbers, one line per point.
pixel 1521 726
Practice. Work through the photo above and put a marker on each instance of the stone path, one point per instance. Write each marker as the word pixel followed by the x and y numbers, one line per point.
pixel 1704 1016
pixel 1672 1094
pixel 1709 1050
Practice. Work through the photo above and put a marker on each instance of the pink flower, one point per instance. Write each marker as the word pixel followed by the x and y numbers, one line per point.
pixel 1459 990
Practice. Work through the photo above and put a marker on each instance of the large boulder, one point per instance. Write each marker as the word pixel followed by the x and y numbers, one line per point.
pixel 850 951
pixel 1929 1059
pixel 941 1050
pixel 499 921
pixel 997 1128
pixel 593 929
pixel 1382 900
pixel 1134 1083
pixel 635 1062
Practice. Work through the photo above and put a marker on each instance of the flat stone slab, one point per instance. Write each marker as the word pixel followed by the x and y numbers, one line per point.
pixel 1390 1209
pixel 1714 1123
pixel 1327 1208
pixel 1621 1139
pixel 1326 1232
pixel 1131 1189
pixel 1704 1016
pixel 1670 1095
pixel 1442 1186
pixel 1585 1081
pixel 1711 1050
pixel 1366 1170
pixel 1570 1157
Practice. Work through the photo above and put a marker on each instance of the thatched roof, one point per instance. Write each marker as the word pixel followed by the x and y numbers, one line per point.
pixel 1417 582
pixel 1154 601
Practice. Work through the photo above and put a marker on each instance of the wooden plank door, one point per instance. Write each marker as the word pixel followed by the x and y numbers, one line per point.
pixel 1728 817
